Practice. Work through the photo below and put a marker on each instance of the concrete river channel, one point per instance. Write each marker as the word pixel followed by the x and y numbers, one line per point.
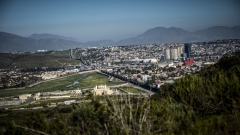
pixel 76 81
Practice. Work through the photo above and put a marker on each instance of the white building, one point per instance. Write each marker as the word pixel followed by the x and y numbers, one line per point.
pixel 76 91
pixel 103 90
pixel 17 102
pixel 68 102
pixel 24 96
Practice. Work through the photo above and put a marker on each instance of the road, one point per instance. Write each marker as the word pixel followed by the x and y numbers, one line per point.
pixel 150 92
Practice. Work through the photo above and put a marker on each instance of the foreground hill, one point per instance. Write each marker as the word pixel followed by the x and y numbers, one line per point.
pixel 211 98
pixel 207 102
pixel 10 43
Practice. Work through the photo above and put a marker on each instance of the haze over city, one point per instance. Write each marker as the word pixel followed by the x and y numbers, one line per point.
pixel 114 20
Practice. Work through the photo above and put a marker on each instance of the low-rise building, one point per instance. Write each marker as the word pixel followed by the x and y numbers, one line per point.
pixel 68 102
pixel 103 90
pixel 24 96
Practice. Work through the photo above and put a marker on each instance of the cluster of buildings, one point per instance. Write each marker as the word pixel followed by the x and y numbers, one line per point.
pixel 12 78
pixel 100 90
pixel 15 78
pixel 173 52
pixel 157 64
pixel 146 65
pixel 181 52
pixel 31 98
pixel 159 61
pixel 17 100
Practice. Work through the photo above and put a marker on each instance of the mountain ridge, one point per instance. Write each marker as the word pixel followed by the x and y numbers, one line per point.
pixel 178 35
pixel 99 43
pixel 47 36
pixel 10 42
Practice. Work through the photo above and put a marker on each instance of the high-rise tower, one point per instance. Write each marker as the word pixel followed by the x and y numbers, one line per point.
pixel 70 53
pixel 187 49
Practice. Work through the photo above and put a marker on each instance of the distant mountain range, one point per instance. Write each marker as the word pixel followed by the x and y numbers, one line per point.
pixel 158 35
pixel 47 36
pixel 177 35
pixel 10 42
pixel 100 43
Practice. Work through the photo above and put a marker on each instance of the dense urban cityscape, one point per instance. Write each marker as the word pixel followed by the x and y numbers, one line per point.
pixel 124 67
pixel 136 71
pixel 148 66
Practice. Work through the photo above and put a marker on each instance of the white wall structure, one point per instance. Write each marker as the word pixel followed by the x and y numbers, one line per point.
pixel 149 60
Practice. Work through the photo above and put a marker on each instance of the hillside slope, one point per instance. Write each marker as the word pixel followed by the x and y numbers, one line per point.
pixel 10 43
pixel 177 35
pixel 213 96
pixel 49 59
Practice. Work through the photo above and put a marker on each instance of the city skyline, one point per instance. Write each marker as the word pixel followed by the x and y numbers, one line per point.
pixel 113 20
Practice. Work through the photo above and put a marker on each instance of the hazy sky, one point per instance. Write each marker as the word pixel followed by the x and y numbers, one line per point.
pixel 114 19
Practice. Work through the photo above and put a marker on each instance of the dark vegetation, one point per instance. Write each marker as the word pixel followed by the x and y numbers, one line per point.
pixel 202 103
pixel 47 59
